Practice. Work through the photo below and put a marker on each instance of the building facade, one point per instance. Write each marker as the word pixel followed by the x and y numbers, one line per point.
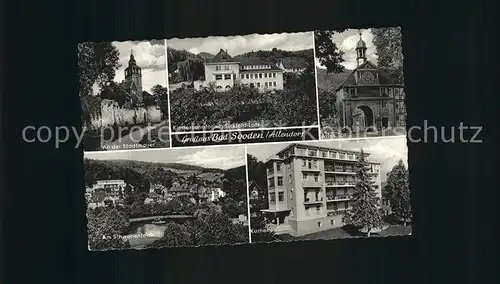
pixel 132 85
pixel 310 187
pixel 369 97
pixel 105 192
pixel 224 72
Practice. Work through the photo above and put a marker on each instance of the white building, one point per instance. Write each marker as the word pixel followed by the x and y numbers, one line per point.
pixel 216 194
pixel 105 191
pixel 224 72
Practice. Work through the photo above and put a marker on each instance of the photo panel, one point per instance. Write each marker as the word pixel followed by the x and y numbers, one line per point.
pixel 124 96
pixel 242 89
pixel 166 198
pixel 360 82
pixel 329 189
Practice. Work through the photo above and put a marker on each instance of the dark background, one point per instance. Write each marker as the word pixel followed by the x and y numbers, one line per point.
pixel 43 210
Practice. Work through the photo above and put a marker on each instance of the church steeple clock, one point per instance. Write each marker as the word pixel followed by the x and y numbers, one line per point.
pixel 360 50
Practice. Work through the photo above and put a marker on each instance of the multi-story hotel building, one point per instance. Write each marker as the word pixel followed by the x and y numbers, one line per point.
pixel 105 191
pixel 310 187
pixel 224 71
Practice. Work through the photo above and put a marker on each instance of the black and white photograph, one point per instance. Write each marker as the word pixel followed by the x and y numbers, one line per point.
pixel 329 189
pixel 360 82
pixel 166 198
pixel 255 81
pixel 123 93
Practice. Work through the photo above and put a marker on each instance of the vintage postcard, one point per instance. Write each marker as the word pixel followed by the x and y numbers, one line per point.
pixel 123 91
pixel 329 189
pixel 166 198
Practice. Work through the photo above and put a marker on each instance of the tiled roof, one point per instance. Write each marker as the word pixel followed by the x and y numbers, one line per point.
pixel 221 56
pixel 255 61
pixel 294 62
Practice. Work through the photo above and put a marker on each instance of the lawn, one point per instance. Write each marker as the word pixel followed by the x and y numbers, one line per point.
pixel 349 232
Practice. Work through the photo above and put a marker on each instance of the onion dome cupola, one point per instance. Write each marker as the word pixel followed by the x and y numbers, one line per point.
pixel 360 50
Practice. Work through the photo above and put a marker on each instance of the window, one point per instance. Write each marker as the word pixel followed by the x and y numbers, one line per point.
pixel 265 75
pixel 227 76
pixel 218 77
pixel 251 76
pixel 265 84
pixel 280 181
pixel 323 154
pixel 247 76
pixel 333 222
pixel 319 224
pixel 274 75
pixel 227 67
pixel 318 208
pixel 304 176
pixel 260 75
pixel 291 212
pixel 316 177
pixel 272 197
pixel 278 167
pixel 291 194
pixel 290 178
pixel 242 76
pixel 274 84
pixel 258 84
pixel 281 196
pixel 218 68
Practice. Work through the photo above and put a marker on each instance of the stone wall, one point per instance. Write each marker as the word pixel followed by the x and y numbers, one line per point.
pixel 111 113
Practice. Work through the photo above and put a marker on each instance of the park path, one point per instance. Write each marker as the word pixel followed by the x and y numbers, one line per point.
pixel 132 139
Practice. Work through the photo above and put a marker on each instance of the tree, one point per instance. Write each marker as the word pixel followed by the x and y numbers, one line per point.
pixel 397 191
pixel 327 51
pixel 365 213
pixel 216 228
pixel 105 226
pixel 328 110
pixel 196 189
pixel 175 235
pixel 97 63
pixel 232 207
pixel 389 48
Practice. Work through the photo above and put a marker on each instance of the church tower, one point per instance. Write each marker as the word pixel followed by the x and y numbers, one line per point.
pixel 133 77
pixel 360 50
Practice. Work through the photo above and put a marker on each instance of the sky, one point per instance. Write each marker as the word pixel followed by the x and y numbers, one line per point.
pixel 347 41
pixel 210 157
pixel 150 57
pixel 387 150
pixel 237 45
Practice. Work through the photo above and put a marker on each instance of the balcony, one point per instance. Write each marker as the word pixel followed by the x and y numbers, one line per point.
pixel 310 169
pixel 316 200
pixel 312 183
pixel 340 170
pixel 341 183
pixel 342 197
pixel 336 212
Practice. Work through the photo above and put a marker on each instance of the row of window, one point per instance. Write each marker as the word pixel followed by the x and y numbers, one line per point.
pixel 325 154
pixel 281 196
pixel 249 67
pixel 258 75
pixel 224 76
pixel 266 84
pixel 220 67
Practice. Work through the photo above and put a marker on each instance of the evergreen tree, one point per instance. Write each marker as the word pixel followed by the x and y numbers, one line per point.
pixel 398 191
pixel 365 213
